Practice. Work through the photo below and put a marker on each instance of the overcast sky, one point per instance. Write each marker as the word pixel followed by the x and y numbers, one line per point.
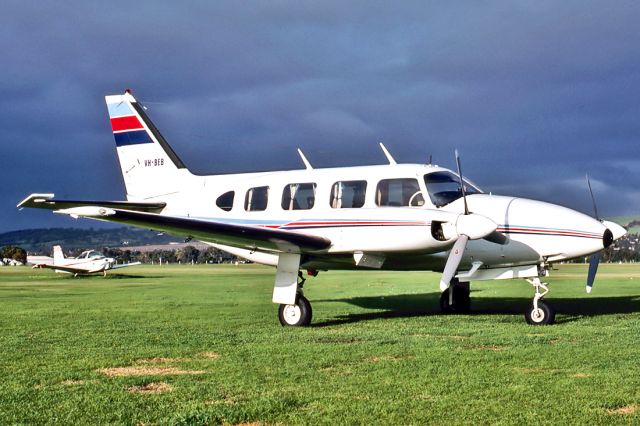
pixel 534 94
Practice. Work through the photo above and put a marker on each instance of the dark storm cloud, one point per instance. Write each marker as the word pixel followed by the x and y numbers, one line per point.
pixel 534 94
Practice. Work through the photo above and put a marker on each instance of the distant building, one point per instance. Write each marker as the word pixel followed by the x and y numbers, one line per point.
pixel 10 262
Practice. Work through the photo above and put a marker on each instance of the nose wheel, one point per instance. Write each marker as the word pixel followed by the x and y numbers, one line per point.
pixel 539 312
pixel 544 314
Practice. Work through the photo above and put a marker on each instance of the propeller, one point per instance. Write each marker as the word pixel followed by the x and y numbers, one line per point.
pixel 453 261
pixel 612 232
pixel 469 226
pixel 594 259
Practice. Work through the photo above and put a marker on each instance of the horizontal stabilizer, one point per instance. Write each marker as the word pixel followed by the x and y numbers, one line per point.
pixel 47 201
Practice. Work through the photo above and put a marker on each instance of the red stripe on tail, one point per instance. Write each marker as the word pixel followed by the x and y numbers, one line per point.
pixel 129 122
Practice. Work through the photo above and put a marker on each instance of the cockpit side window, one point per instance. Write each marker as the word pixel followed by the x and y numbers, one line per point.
pixel 348 194
pixel 399 192
pixel 444 187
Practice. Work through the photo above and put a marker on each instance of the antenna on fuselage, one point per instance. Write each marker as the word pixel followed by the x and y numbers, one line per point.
pixel 306 162
pixel 390 159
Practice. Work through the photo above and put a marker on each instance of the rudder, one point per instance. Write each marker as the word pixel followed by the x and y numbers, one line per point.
pixel 150 168
pixel 57 254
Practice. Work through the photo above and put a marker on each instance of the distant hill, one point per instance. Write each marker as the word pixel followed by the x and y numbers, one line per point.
pixel 41 240
pixel 632 223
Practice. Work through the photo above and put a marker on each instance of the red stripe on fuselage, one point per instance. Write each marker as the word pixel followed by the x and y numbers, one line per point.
pixel 129 122
pixel 551 232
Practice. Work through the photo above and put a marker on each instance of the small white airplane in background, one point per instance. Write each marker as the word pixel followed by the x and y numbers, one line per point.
pixel 385 217
pixel 89 262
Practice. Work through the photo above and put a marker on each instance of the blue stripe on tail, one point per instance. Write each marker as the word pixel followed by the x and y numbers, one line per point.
pixel 132 138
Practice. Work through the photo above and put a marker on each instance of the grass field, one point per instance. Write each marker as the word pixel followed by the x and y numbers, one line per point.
pixel 202 345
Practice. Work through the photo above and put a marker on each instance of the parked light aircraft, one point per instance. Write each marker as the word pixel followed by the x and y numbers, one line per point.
pixel 381 217
pixel 89 262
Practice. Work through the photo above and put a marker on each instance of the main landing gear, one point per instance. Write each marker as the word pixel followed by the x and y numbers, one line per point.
pixel 456 299
pixel 298 314
pixel 539 312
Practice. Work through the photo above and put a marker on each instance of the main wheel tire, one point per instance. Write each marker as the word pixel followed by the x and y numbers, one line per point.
pixel 297 315
pixel 544 315
pixel 461 301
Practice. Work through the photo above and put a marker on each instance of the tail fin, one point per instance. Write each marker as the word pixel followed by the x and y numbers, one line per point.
pixel 150 167
pixel 57 254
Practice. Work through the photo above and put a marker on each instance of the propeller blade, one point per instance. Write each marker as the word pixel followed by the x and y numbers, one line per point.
pixel 453 262
pixel 594 261
pixel 593 199
pixel 464 195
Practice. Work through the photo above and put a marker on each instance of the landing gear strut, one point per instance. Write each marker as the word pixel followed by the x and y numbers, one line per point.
pixel 456 299
pixel 539 312
pixel 298 314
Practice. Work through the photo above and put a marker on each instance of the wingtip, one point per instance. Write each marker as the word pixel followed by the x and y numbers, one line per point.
pixel 35 199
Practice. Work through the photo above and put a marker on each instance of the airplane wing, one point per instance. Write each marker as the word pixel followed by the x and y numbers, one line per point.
pixel 124 265
pixel 69 269
pixel 242 236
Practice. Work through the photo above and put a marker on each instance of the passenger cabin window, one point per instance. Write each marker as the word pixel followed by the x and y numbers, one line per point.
pixel 399 192
pixel 444 187
pixel 225 201
pixel 348 194
pixel 299 196
pixel 256 199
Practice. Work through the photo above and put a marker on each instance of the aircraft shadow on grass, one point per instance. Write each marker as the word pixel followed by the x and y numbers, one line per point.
pixel 112 277
pixel 427 304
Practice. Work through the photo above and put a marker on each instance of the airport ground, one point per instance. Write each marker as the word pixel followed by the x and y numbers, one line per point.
pixel 202 345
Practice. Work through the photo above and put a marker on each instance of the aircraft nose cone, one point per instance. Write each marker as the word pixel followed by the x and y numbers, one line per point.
pixel 616 230
pixel 556 232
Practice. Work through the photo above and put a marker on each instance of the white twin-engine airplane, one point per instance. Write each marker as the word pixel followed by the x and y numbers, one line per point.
pixel 385 217
pixel 89 262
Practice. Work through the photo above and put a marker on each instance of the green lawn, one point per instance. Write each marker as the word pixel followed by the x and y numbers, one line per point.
pixel 203 345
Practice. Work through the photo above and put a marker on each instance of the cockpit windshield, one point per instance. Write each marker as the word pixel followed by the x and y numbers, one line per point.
pixel 444 187
pixel 89 254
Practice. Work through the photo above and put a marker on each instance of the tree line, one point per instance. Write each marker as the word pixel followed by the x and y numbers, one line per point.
pixel 188 254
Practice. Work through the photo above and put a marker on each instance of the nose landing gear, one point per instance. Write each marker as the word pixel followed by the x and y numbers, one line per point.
pixel 539 312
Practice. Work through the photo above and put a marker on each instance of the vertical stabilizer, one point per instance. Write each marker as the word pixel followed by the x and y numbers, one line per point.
pixel 58 256
pixel 150 168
